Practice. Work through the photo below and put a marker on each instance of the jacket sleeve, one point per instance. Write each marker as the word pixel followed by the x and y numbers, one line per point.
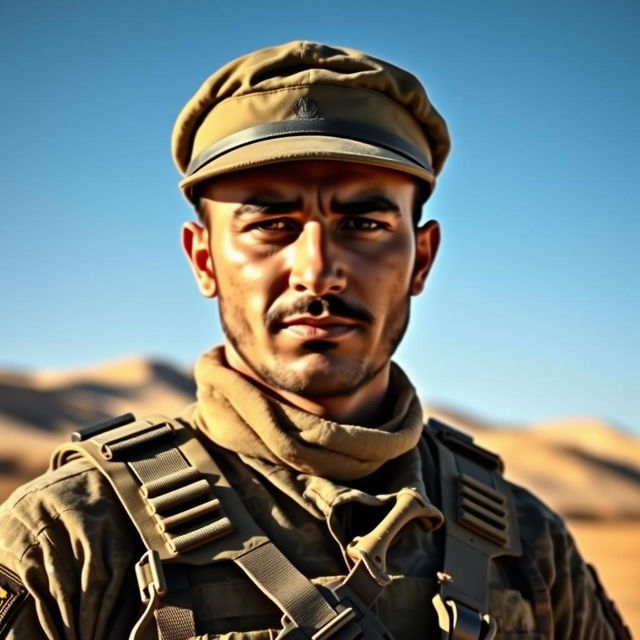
pixel 579 607
pixel 66 542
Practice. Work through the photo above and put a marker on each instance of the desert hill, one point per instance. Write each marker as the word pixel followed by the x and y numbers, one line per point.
pixel 39 410
pixel 57 402
pixel 583 468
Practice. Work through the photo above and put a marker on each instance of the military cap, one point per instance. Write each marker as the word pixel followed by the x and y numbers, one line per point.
pixel 303 101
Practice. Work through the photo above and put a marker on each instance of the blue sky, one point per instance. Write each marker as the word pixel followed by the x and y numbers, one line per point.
pixel 532 309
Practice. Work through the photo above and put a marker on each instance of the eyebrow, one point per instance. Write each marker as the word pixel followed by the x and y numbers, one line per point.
pixel 366 204
pixel 354 207
pixel 265 205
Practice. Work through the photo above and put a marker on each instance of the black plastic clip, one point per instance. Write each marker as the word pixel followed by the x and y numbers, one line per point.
pixel 100 427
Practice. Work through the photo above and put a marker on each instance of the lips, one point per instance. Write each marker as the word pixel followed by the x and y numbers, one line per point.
pixel 311 328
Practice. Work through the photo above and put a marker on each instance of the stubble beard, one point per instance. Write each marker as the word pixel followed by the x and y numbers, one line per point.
pixel 330 382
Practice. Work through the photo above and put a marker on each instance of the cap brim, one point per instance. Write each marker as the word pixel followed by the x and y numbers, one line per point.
pixel 293 148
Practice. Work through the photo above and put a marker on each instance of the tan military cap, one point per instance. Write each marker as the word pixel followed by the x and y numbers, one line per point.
pixel 303 101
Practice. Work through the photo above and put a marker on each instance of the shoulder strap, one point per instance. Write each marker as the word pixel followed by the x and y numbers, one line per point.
pixel 480 524
pixel 186 511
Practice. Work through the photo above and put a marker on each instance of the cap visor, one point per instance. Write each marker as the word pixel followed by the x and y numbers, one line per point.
pixel 292 148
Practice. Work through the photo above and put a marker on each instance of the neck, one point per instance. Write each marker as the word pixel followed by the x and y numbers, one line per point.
pixel 364 406
pixel 241 414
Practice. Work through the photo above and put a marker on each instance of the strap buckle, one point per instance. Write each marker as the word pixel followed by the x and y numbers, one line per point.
pixel 371 549
pixel 345 615
pixel 151 580
pixel 335 624
pixel 459 622
pixel 353 621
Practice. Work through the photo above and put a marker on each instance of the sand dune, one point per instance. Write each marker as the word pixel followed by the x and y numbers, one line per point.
pixel 59 402
pixel 583 468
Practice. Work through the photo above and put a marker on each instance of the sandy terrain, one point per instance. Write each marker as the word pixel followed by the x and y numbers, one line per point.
pixel 583 468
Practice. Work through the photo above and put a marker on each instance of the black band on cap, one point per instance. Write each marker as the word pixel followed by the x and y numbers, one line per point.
pixel 311 127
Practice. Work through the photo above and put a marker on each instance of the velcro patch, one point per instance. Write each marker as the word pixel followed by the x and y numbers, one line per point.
pixel 12 595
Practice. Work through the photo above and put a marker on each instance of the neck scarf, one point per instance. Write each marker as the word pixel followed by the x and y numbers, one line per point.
pixel 237 415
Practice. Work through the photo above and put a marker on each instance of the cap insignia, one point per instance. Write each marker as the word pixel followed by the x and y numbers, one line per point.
pixel 306 108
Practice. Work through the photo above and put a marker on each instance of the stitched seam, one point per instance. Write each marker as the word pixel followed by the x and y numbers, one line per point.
pixel 319 497
pixel 42 487
pixel 254 92
pixel 43 530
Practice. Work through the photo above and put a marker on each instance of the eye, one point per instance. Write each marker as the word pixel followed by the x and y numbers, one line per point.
pixel 357 223
pixel 273 229
pixel 273 225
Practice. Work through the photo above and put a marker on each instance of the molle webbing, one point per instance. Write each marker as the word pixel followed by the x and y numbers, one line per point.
pixel 187 513
pixel 149 464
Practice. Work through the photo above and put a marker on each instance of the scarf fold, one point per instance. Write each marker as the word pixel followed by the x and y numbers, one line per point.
pixel 237 415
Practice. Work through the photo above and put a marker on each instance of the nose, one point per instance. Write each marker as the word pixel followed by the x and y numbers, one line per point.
pixel 315 263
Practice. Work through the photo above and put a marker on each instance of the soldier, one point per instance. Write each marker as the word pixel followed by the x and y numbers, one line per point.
pixel 301 495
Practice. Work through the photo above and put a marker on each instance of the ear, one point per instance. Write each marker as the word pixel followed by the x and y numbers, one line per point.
pixel 195 243
pixel 427 243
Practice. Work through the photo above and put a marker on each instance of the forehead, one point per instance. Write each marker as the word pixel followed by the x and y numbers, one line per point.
pixel 300 175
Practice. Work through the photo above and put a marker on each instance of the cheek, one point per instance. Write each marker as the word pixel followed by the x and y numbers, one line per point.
pixel 235 266
pixel 244 294
pixel 390 271
pixel 246 286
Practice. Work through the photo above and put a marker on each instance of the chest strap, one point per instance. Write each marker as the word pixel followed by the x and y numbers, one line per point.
pixel 480 524
pixel 186 511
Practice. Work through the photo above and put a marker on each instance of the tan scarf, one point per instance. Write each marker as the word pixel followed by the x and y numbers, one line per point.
pixel 240 417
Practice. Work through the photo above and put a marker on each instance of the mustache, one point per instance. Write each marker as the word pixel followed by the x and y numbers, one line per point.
pixel 334 305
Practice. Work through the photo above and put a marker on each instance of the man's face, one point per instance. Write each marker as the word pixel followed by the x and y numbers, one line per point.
pixel 313 263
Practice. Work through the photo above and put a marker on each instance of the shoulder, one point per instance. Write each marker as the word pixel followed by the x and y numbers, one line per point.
pixel 69 547
pixel 537 523
pixel 579 606
pixel 544 534
pixel 75 497
pixel 535 517
pixel 77 484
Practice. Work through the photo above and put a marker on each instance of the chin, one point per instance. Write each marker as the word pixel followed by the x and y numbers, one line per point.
pixel 320 375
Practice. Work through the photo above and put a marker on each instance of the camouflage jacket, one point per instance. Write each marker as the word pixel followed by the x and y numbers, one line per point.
pixel 67 552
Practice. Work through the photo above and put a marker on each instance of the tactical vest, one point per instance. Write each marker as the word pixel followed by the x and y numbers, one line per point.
pixel 187 513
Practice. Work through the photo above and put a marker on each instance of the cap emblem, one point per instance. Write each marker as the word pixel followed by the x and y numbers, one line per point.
pixel 306 108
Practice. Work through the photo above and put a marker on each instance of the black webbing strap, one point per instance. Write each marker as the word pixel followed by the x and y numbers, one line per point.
pixel 539 592
pixel 480 524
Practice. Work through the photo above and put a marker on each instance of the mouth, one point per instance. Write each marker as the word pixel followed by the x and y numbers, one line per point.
pixel 312 328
